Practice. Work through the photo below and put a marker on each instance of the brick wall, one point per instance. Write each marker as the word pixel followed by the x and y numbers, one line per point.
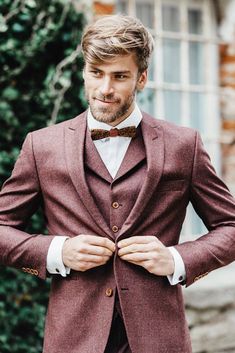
pixel 227 79
pixel 103 7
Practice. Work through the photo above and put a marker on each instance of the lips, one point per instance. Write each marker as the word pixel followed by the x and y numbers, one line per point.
pixel 102 101
pixel 105 100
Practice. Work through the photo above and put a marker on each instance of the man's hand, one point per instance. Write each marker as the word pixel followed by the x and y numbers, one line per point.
pixel 84 252
pixel 148 252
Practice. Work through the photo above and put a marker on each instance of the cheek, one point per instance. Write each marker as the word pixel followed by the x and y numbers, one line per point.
pixel 89 86
pixel 129 90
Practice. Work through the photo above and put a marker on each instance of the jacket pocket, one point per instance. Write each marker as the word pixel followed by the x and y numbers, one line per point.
pixel 171 185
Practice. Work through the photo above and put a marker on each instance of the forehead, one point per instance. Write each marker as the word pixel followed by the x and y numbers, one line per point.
pixel 120 63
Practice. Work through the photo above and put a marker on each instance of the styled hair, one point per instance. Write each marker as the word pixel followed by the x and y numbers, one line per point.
pixel 115 35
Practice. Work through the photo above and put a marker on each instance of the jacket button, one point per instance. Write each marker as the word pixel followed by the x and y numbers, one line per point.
pixel 115 229
pixel 115 204
pixel 109 292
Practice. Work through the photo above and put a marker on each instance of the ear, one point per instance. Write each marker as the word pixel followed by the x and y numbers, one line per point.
pixel 141 82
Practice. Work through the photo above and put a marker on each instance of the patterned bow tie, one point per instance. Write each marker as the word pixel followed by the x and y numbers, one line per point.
pixel 98 134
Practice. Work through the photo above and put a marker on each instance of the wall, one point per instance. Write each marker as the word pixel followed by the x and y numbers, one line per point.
pixel 227 74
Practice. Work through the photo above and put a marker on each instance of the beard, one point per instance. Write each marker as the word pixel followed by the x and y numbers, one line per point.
pixel 107 114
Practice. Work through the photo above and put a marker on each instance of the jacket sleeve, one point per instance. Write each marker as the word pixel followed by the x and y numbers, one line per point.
pixel 215 205
pixel 20 197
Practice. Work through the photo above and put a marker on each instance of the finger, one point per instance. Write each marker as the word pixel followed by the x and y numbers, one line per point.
pixel 140 239
pixel 91 258
pixel 84 266
pixel 138 263
pixel 147 265
pixel 134 248
pixel 136 257
pixel 95 250
pixel 100 241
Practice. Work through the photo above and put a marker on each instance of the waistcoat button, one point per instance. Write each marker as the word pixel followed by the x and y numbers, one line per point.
pixel 115 204
pixel 115 229
pixel 109 292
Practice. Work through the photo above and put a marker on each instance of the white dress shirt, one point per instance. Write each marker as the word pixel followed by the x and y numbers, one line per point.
pixel 112 151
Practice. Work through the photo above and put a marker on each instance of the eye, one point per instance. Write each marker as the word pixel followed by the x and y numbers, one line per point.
pixel 96 73
pixel 121 77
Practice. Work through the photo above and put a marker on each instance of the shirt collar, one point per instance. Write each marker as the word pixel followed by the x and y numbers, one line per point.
pixel 133 119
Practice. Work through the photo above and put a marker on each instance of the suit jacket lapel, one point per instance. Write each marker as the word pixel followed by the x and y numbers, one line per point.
pixel 94 161
pixel 154 147
pixel 74 151
pixel 134 155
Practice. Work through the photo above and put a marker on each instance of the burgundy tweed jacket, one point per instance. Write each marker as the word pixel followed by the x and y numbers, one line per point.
pixel 154 185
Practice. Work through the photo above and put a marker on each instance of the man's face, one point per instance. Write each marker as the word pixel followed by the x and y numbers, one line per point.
pixel 111 86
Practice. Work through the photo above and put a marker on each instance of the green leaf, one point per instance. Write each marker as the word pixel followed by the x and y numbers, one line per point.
pixel 17 27
pixel 10 93
pixel 3 25
pixel 31 3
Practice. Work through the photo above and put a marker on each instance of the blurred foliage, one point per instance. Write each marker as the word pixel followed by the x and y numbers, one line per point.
pixel 40 84
pixel 23 302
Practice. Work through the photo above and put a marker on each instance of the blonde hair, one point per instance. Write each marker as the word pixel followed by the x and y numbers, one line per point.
pixel 116 35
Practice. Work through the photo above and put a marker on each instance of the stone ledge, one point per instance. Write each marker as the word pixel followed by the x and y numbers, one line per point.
pixel 210 312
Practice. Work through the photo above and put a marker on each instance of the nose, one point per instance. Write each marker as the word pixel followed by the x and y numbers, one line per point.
pixel 106 86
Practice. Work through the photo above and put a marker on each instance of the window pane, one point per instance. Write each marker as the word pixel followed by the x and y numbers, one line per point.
pixel 197 117
pixel 196 63
pixel 145 12
pixel 195 21
pixel 171 60
pixel 172 106
pixel 170 18
pixel 122 6
pixel 146 100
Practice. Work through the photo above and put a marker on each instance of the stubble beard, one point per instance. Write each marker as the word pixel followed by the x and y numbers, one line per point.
pixel 107 115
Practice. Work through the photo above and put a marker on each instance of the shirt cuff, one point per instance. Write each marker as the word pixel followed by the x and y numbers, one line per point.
pixel 54 257
pixel 179 274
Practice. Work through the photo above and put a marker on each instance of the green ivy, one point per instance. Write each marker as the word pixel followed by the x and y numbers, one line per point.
pixel 40 84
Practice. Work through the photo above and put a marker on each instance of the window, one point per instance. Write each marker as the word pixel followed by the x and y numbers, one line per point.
pixel 183 78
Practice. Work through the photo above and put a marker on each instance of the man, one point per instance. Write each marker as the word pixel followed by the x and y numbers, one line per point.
pixel 114 202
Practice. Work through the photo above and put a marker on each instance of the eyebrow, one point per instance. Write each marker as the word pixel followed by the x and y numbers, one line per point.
pixel 122 72
pixel 114 72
